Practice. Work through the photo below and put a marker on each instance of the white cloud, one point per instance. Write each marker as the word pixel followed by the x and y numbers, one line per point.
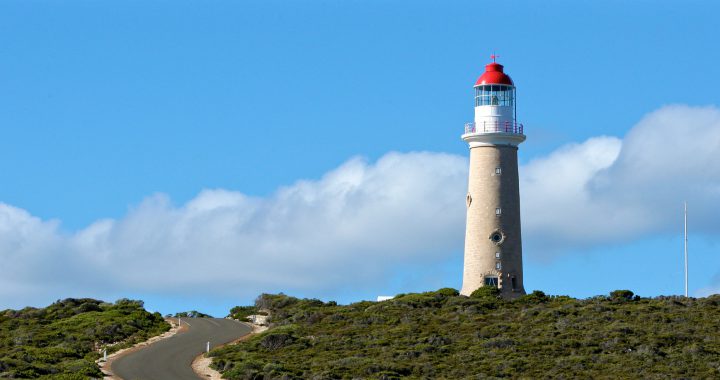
pixel 557 206
pixel 606 190
pixel 361 223
pixel 353 226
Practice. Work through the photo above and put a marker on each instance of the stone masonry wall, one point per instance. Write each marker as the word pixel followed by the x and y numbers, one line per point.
pixel 487 191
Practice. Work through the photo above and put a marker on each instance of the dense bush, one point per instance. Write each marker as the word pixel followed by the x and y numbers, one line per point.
pixel 62 341
pixel 242 312
pixel 190 314
pixel 488 292
pixel 444 335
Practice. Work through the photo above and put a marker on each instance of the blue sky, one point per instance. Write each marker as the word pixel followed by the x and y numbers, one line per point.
pixel 117 112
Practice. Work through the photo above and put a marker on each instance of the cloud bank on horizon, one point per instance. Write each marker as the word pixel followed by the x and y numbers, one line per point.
pixel 362 221
pixel 610 190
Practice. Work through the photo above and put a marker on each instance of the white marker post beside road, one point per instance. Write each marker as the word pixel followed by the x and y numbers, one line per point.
pixel 207 348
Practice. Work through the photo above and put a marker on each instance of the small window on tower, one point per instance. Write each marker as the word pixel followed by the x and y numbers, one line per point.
pixel 498 171
pixel 491 281
pixel 498 211
pixel 498 266
pixel 497 255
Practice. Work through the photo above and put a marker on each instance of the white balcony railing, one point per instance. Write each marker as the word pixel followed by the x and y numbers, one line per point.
pixel 494 127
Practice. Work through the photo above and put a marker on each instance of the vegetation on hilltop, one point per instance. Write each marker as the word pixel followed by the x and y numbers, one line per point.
pixel 241 313
pixel 441 334
pixel 62 341
pixel 190 314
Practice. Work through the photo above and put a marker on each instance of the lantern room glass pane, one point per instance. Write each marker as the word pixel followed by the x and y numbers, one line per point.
pixel 495 95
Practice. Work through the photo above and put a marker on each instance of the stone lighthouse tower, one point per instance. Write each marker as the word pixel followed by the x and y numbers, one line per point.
pixel 493 246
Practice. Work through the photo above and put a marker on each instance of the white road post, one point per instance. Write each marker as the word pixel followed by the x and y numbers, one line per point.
pixel 207 348
pixel 105 355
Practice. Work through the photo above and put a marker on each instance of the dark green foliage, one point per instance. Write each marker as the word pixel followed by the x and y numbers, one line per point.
pixel 448 292
pixel 488 292
pixel 242 312
pixel 443 335
pixel 192 314
pixel 535 297
pixel 621 295
pixel 62 341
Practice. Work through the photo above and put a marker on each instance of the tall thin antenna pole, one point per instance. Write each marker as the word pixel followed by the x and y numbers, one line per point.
pixel 686 254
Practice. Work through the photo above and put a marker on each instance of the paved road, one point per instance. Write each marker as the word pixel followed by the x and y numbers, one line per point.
pixel 171 358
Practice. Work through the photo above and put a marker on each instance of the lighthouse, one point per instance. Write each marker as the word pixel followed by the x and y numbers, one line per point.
pixel 493 243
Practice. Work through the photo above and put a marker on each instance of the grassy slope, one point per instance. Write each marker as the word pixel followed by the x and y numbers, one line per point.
pixel 60 341
pixel 443 335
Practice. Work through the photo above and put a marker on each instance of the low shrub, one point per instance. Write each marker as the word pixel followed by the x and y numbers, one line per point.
pixel 441 334
pixel 62 341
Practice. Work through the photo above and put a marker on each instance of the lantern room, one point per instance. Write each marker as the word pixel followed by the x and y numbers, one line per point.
pixel 495 95
pixel 495 109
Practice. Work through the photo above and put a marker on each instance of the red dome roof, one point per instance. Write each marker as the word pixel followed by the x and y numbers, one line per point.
pixel 494 75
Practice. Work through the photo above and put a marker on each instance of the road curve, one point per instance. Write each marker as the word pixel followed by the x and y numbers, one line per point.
pixel 171 358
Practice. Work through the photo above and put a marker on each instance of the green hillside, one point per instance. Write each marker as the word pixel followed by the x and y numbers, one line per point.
pixel 441 335
pixel 61 340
